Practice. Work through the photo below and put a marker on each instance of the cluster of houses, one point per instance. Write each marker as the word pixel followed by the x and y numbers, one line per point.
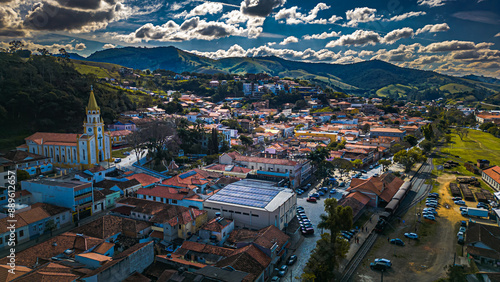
pixel 222 221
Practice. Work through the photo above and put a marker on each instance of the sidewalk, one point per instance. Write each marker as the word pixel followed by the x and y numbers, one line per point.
pixel 361 235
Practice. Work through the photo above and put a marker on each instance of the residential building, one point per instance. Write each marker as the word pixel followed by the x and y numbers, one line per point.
pixel 482 243
pixel 492 177
pixel 217 229
pixel 75 195
pixel 126 125
pixel 253 204
pixel 379 189
pixel 376 132
pixel 32 163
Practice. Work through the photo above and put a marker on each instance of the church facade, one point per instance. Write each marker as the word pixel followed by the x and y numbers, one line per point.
pixel 80 151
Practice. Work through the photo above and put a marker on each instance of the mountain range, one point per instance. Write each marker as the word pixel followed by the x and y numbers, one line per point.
pixel 371 77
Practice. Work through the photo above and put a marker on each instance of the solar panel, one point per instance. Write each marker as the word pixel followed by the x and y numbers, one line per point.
pixel 187 174
pixel 248 193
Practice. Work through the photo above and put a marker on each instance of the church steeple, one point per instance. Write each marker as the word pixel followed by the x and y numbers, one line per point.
pixel 92 106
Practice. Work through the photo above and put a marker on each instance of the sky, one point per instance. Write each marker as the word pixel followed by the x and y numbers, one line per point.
pixel 455 37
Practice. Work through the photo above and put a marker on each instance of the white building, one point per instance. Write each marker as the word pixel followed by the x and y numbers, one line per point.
pixel 492 177
pixel 250 88
pixel 253 204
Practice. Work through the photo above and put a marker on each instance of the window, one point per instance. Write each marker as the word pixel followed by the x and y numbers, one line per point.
pixel 1 240
pixel 246 213
pixel 64 216
pixel 174 201
pixel 179 226
pixel 237 212
pixel 21 233
pixel 224 210
pixel 277 170
pixel 255 215
pixel 208 208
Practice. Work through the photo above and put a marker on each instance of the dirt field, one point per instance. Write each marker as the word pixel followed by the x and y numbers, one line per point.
pixel 422 260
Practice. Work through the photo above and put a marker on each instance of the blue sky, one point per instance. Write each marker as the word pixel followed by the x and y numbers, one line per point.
pixel 452 37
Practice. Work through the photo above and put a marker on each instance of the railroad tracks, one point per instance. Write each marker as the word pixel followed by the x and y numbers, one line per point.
pixel 358 257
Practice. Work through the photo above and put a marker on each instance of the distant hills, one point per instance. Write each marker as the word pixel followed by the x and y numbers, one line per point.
pixel 369 77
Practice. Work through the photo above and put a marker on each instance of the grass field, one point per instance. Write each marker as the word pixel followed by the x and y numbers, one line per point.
pixel 455 87
pixel 477 145
pixel 393 88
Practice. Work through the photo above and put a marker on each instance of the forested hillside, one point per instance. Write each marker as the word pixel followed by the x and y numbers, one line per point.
pixel 45 93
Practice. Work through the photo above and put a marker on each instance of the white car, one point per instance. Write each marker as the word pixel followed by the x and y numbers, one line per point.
pixel 411 235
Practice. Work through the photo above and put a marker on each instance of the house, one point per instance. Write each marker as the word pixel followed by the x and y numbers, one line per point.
pixel 75 195
pixel 357 201
pixel 195 179
pixel 173 221
pixel 376 132
pixel 119 137
pixel 483 243
pixel 492 177
pixel 32 163
pixel 173 196
pixel 56 247
pixel 109 227
pixel 145 180
pixel 379 189
pixel 126 125
pixel 125 188
pixel 218 229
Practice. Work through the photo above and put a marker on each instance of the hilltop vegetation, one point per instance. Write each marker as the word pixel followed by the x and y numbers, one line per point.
pixel 45 93
pixel 369 78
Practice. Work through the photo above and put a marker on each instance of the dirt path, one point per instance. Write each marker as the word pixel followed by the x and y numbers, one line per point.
pixel 422 260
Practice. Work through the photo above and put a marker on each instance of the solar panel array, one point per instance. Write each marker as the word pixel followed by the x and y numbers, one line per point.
pixel 247 194
pixel 187 174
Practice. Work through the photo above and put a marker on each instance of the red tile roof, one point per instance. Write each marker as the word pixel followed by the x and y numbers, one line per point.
pixel 143 178
pixel 494 173
pixel 67 139
pixel 384 186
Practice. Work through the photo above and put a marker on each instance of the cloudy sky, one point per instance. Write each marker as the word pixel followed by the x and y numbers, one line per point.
pixel 455 37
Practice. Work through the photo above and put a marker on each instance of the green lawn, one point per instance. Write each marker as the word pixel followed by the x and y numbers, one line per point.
pixel 478 145
pixel 119 153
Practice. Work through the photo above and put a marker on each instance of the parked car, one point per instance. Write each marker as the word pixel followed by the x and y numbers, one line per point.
pixel 411 235
pixel 381 266
pixel 292 260
pixel 456 198
pixel 460 202
pixel 434 205
pixel 315 195
pixel 429 217
pixel 300 208
pixel 300 192
pixel 283 269
pixel 311 200
pixel 341 184
pixel 463 223
pixel 118 160
pixel 460 233
pixel 397 242
pixel 433 211
pixel 333 191
pixel 275 278
pixel 462 229
pixel 464 212
pixel 383 260
pixel 321 193
pixel 307 230
pixel 434 195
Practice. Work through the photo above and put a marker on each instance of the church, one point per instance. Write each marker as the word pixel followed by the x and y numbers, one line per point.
pixel 79 151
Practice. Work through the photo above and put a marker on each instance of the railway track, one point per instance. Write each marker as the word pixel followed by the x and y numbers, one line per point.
pixel 358 257
pixel 367 245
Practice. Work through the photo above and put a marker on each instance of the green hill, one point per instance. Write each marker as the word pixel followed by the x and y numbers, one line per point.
pixel 365 78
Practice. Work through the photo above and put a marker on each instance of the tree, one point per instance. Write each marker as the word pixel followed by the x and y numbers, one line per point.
pixel 64 54
pixel 246 141
pixel 22 175
pixel 342 165
pixel 15 45
pixel 409 158
pixel 365 128
pixel 411 139
pixel 426 145
pixel 428 132
pixel 462 132
pixel 50 225
pixel 317 156
pixel 330 249
pixel 485 126
pixel 456 273
pixel 357 163
pixel 385 164
pixel 213 142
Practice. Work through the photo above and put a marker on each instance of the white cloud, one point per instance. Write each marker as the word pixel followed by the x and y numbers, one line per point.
pixel 405 16
pixel 193 28
pixel 289 39
pixel 431 3
pixel 292 16
pixel 334 18
pixel 108 46
pixel 453 45
pixel 397 34
pixel 205 8
pixel 53 48
pixel 260 8
pixel 80 46
pixel 235 17
pixel 306 55
pixel 361 15
pixel 323 35
pixel 357 38
pixel 433 28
